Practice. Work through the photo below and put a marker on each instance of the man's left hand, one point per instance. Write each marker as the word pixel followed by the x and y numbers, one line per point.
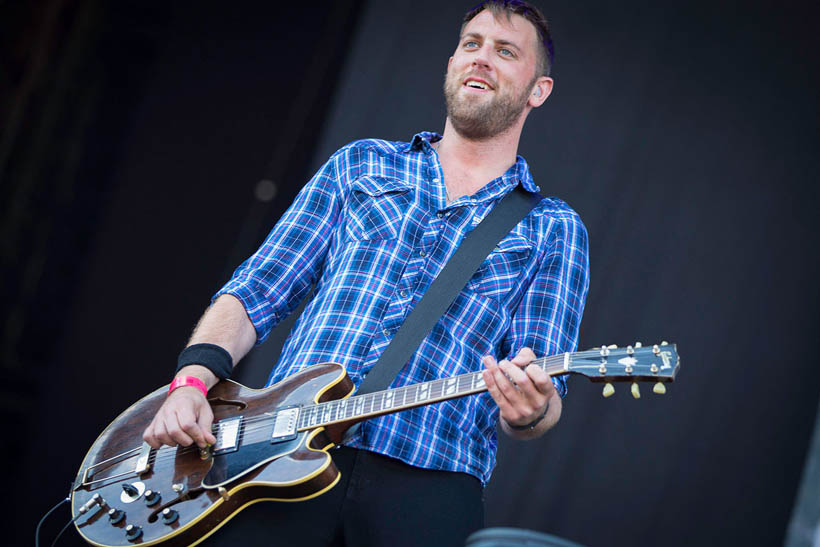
pixel 523 392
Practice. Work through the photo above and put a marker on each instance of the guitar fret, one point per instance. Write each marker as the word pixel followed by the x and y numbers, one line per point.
pixel 478 381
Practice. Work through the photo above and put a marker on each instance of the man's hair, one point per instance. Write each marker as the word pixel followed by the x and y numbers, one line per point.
pixel 545 52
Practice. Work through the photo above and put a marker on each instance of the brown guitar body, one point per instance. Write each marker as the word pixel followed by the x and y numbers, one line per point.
pixel 294 470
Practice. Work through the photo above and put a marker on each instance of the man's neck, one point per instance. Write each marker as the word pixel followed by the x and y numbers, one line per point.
pixel 469 165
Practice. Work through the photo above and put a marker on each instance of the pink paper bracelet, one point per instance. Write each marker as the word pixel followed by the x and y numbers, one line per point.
pixel 188 381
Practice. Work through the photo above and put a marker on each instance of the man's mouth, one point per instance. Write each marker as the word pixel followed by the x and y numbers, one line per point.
pixel 476 83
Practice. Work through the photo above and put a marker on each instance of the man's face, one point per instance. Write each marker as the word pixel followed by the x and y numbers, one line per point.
pixel 491 75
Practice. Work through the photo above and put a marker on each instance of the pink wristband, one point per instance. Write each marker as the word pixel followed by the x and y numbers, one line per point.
pixel 188 381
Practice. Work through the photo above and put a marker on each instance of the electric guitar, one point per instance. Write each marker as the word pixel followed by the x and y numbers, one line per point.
pixel 272 444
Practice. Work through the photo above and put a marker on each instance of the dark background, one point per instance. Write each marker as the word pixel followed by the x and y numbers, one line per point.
pixel 135 136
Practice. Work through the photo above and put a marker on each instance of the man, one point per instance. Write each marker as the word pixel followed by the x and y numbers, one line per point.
pixel 371 230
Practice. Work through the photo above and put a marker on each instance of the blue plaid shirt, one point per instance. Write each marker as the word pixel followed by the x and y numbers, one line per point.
pixel 371 230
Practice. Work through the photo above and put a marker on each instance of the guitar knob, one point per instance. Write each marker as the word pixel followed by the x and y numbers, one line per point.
pixel 152 497
pixel 169 516
pixel 115 516
pixel 133 533
pixel 609 389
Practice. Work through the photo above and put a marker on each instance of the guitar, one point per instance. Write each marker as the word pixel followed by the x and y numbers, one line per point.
pixel 272 444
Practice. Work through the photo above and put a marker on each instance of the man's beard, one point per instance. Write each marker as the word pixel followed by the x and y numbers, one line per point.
pixel 481 119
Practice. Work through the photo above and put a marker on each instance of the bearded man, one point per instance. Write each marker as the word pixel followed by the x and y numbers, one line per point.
pixel 371 230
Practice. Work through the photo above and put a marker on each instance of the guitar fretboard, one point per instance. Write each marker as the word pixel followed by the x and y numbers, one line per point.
pixel 402 398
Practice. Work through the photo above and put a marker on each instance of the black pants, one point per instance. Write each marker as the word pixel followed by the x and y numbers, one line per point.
pixel 378 501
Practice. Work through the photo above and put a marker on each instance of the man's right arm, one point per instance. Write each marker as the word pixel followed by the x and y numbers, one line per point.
pixel 186 417
pixel 264 289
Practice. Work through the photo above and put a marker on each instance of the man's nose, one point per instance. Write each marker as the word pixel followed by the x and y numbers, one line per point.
pixel 481 59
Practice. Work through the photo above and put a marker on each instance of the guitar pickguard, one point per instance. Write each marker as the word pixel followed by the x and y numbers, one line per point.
pixel 233 465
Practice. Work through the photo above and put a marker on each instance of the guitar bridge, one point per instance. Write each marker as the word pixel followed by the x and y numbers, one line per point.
pixel 284 427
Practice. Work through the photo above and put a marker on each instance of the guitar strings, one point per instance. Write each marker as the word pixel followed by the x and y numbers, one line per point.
pixel 257 424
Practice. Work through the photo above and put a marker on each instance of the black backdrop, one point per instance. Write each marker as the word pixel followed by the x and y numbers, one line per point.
pixel 683 133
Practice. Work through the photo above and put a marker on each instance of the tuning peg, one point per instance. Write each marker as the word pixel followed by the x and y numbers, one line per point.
pixel 636 392
pixel 659 388
pixel 664 343
pixel 609 389
pixel 638 345
pixel 612 346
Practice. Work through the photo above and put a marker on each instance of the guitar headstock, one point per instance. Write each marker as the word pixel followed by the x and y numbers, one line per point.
pixel 658 363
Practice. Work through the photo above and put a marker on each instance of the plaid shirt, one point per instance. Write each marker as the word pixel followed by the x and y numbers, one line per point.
pixel 371 230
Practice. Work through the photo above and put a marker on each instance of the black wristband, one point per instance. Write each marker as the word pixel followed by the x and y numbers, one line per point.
pixel 530 426
pixel 213 357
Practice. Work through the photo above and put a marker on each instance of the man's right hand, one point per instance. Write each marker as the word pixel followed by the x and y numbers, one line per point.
pixel 183 419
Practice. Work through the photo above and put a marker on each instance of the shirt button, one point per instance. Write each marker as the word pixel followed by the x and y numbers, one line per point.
pixel 436 179
pixel 422 253
pixel 403 294
pixel 440 215
pixel 386 332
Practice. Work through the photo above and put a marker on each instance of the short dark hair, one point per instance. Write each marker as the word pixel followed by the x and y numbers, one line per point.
pixel 545 51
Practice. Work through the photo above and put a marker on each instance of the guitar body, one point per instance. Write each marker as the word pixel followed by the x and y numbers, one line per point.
pixel 202 494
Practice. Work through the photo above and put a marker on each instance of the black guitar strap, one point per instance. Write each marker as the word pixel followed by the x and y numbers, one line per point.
pixel 474 248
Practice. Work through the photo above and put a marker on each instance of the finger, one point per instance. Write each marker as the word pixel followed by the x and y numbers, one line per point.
pixel 161 432
pixel 506 408
pixel 175 432
pixel 515 374
pixel 150 436
pixel 524 357
pixel 205 421
pixel 492 385
pixel 517 401
pixel 188 424
pixel 540 379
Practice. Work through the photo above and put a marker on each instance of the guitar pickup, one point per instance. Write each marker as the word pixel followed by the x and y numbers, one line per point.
pixel 227 436
pixel 284 426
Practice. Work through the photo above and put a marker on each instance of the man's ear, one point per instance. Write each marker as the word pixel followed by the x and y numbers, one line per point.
pixel 450 62
pixel 540 91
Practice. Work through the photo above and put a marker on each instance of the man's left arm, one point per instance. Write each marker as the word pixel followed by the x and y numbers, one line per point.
pixel 546 323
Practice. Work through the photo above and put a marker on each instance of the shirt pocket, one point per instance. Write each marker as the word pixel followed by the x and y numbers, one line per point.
pixel 377 207
pixel 500 272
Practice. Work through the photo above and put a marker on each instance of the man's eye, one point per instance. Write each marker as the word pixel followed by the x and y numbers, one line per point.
pixel 471 44
pixel 506 52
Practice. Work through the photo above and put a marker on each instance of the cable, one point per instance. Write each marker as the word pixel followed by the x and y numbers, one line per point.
pixel 40 524
pixel 69 523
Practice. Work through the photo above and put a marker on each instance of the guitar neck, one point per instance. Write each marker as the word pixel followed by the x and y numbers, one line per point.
pixel 379 403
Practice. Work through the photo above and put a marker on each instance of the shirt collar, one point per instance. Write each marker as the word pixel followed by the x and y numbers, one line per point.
pixel 422 141
pixel 518 172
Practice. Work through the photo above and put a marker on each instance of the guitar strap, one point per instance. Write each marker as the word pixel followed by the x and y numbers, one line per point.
pixel 474 248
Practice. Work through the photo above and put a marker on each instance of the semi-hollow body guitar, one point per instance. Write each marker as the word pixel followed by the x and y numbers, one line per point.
pixel 272 444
